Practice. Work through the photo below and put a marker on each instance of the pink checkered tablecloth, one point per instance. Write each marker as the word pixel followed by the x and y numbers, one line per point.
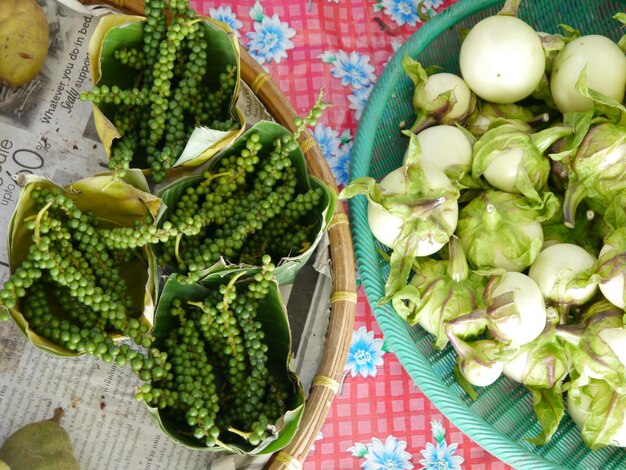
pixel 380 419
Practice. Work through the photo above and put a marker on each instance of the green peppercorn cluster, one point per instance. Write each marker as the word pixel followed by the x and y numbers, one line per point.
pixel 72 286
pixel 174 91
pixel 243 208
pixel 210 376
pixel 219 388
pixel 247 205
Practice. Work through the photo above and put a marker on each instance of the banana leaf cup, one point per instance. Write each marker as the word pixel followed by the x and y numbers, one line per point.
pixel 113 202
pixel 132 96
pixel 223 170
pixel 273 320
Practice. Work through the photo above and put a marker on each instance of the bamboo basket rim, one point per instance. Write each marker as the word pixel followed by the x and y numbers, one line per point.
pixel 343 298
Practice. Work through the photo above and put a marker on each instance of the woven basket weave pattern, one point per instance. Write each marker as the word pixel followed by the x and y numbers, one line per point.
pixel 502 417
pixel 343 298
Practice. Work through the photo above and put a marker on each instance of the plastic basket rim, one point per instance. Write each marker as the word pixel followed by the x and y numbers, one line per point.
pixel 392 326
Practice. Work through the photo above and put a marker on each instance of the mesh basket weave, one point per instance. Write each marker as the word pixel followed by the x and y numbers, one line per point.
pixel 502 417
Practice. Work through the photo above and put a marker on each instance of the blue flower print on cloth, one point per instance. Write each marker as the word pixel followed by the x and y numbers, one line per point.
pixel 340 165
pixel 327 140
pixel 353 70
pixel 357 100
pixel 227 16
pixel 432 4
pixel 440 456
pixel 365 355
pixel 409 12
pixel 377 455
pixel 401 11
pixel 271 38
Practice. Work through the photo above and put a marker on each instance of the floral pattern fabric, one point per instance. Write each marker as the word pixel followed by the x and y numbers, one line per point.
pixel 379 419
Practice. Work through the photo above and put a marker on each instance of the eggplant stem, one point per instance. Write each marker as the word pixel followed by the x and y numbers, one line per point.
pixel 539 119
pixel 422 123
pixel 570 333
pixel 574 195
pixel 502 306
pixel 457 263
pixel 545 138
pixel 510 8
pixel 58 414
pixel 563 310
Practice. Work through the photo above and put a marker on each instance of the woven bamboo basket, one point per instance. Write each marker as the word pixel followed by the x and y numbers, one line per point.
pixel 343 298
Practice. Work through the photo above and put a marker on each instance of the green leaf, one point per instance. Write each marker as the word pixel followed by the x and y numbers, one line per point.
pixel 490 226
pixel 602 103
pixel 116 32
pixel 597 169
pixel 114 202
pixel 621 17
pixel 320 216
pixel 508 139
pixel 548 362
pixel 273 316
pixel 415 71
pixel 605 414
pixel 615 215
pixel 401 261
pixel 464 383
pixel 549 409
pixel 441 292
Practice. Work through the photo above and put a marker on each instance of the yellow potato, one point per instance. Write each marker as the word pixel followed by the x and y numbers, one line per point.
pixel 23 40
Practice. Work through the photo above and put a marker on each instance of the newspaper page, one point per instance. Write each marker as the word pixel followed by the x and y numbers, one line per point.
pixel 46 130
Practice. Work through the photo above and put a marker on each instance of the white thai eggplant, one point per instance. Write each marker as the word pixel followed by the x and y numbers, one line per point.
pixel 414 218
pixel 514 311
pixel 542 365
pixel 511 157
pixel 596 397
pixel 479 362
pixel 439 291
pixel 611 269
pixel 446 147
pixel 387 226
pixel 597 170
pixel 599 412
pixel 488 115
pixel 542 362
pixel 600 59
pixel 599 341
pixel 501 58
pixel 503 230
pixel 441 98
pixel 563 273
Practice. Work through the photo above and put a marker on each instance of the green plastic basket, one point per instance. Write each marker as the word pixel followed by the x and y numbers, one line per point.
pixel 501 418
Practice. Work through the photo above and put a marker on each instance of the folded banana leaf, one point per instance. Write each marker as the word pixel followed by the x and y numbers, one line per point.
pixel 117 34
pixel 272 316
pixel 113 202
pixel 290 259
